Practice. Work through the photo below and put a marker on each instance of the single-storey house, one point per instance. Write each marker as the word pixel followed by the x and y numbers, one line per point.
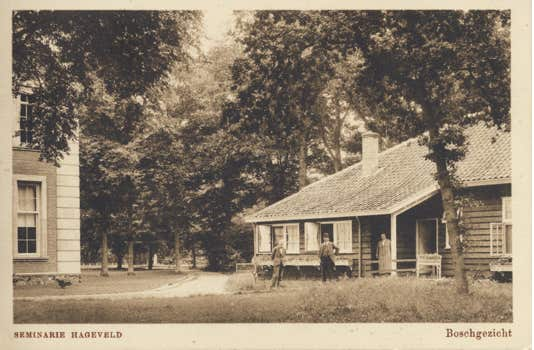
pixel 46 204
pixel 394 192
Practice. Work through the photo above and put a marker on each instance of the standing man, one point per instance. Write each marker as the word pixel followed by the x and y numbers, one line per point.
pixel 278 256
pixel 327 255
pixel 383 254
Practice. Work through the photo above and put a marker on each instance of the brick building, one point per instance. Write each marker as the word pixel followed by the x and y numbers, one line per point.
pixel 46 204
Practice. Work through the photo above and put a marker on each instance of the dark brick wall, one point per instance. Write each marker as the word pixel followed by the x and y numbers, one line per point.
pixel 27 163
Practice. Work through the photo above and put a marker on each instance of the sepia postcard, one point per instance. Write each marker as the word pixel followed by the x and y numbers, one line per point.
pixel 266 175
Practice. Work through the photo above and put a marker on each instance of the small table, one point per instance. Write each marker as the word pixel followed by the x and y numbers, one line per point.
pixel 432 260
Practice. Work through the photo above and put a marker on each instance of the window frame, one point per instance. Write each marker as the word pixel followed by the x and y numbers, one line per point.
pixel 317 234
pixel 505 202
pixel 351 250
pixel 286 237
pixel 260 251
pixel 41 221
pixel 436 220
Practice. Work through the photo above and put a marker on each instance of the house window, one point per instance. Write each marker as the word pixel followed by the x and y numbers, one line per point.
pixel 340 233
pixel 507 224
pixel 507 210
pixel 264 239
pixel 343 236
pixel 292 238
pixel 311 234
pixel 30 212
pixel 501 232
pixel 26 119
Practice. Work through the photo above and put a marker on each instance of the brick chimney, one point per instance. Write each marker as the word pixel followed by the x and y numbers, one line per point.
pixel 369 153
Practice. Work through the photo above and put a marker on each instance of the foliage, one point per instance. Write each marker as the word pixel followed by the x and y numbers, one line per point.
pixel 60 53
pixel 430 74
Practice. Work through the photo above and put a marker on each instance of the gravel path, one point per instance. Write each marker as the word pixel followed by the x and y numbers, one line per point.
pixel 194 284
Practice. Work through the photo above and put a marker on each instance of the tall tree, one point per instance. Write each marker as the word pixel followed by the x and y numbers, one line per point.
pixel 431 73
pixel 59 53
pixel 278 82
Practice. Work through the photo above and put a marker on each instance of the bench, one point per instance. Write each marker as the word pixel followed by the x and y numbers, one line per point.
pixel 431 260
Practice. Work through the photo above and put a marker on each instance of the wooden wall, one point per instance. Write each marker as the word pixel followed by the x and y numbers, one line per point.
pixel 485 209
pixel 303 254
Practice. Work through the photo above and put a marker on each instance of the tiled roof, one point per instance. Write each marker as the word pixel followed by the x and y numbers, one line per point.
pixel 403 177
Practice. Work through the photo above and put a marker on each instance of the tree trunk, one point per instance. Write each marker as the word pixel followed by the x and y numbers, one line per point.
pixel 337 142
pixel 449 208
pixel 177 257
pixel 150 256
pixel 131 270
pixel 120 259
pixel 193 256
pixel 303 169
pixel 104 268
pixel 337 160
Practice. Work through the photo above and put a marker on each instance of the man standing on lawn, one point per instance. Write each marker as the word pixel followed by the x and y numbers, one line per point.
pixel 278 256
pixel 327 256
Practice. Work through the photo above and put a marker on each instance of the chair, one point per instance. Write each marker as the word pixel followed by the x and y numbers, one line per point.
pixel 432 260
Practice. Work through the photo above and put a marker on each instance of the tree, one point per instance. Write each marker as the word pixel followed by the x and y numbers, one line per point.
pixel 91 69
pixel 339 121
pixel 431 73
pixel 60 53
pixel 278 82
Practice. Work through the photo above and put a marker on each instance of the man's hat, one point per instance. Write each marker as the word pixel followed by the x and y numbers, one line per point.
pixel 325 235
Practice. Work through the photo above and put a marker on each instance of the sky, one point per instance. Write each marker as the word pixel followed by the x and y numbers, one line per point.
pixel 217 22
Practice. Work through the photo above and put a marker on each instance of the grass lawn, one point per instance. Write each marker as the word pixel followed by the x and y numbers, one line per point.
pixel 365 300
pixel 92 283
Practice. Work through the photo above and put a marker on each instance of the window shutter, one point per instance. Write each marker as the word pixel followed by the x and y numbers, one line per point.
pixel 343 236
pixel 264 237
pixel 507 209
pixel 311 232
pixel 292 239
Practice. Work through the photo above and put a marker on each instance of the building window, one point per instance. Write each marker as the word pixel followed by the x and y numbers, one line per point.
pixel 264 239
pixel 292 238
pixel 311 234
pixel 26 119
pixel 501 232
pixel 289 234
pixel 507 223
pixel 340 233
pixel 507 210
pixel 28 217
pixel 30 211
pixel 343 236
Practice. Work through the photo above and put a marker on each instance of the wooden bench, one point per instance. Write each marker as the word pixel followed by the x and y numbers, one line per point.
pixel 431 260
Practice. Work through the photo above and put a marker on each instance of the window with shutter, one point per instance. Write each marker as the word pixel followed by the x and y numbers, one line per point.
pixel 343 236
pixel 507 225
pixel 507 209
pixel 311 234
pixel 292 239
pixel 264 238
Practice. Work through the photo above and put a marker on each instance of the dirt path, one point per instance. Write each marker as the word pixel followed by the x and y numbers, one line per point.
pixel 195 284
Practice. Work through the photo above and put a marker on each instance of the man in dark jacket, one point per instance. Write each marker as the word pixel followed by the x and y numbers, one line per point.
pixel 327 256
pixel 278 256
